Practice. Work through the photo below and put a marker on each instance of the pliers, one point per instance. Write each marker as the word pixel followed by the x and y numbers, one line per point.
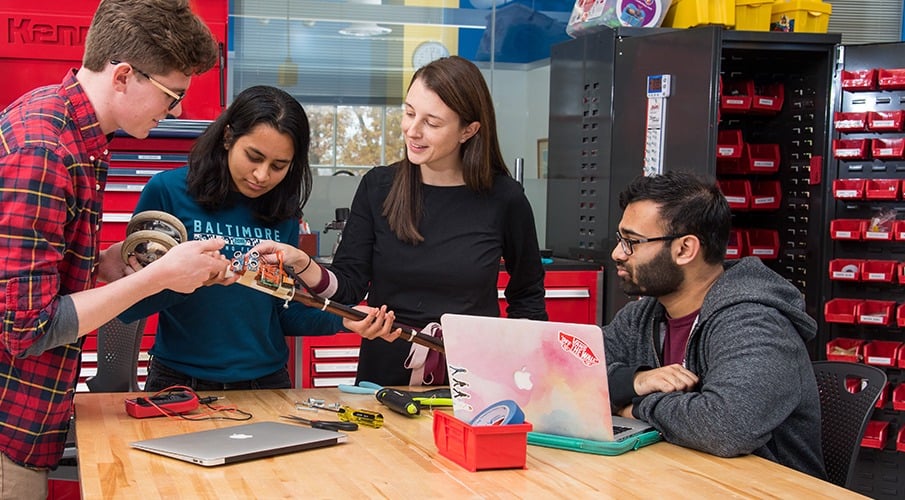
pixel 330 425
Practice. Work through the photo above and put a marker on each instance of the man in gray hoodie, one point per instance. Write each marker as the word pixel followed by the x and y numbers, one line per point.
pixel 713 354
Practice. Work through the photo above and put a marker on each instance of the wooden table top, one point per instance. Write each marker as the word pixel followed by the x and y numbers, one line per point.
pixel 399 460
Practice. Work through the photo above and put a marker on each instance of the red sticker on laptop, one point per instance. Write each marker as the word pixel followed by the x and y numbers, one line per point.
pixel 578 348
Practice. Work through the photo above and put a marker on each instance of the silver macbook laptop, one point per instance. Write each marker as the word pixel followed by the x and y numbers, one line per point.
pixel 241 442
pixel 555 372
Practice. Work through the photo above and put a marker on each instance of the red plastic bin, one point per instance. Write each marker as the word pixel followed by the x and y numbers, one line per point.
pixel 845 269
pixel 878 271
pixel 761 158
pixel 851 149
pixel 898 397
pixel 875 312
pixel 736 96
pixel 862 79
pixel 888 148
pixel 736 247
pixel 729 144
pixel 841 311
pixel 765 195
pixel 900 311
pixel 848 121
pixel 881 189
pixel 848 189
pixel 891 79
pixel 847 229
pixel 737 193
pixel 767 98
pixel 884 396
pixel 875 434
pixel 876 231
pixel 885 121
pixel 845 349
pixel 898 231
pixel 481 447
pixel 763 243
pixel 882 352
pixel 900 440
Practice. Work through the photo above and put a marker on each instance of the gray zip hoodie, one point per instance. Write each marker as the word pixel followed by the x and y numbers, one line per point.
pixel 757 392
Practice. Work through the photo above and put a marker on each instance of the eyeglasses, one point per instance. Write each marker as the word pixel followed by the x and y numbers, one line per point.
pixel 628 243
pixel 177 97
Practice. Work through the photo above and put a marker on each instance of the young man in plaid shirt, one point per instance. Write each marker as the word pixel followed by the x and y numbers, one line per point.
pixel 139 59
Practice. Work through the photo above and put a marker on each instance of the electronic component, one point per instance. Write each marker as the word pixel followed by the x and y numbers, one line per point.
pixel 160 405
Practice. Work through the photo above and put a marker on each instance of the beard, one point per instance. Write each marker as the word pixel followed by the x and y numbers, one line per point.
pixel 661 276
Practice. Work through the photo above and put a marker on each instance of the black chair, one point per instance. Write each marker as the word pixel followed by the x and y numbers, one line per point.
pixel 118 346
pixel 844 414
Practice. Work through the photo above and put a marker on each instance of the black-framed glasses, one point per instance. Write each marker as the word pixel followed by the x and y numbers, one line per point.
pixel 177 96
pixel 628 243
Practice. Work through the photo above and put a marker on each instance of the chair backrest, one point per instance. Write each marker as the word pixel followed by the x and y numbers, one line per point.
pixel 118 345
pixel 844 414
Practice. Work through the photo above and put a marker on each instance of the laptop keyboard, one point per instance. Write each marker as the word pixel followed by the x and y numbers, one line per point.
pixel 618 429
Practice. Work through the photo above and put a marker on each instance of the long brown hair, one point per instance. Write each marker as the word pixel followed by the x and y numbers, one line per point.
pixel 461 86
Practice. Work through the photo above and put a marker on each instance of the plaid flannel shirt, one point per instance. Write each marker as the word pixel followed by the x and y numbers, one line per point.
pixel 53 168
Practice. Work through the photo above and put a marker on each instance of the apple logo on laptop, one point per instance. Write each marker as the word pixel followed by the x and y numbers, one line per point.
pixel 240 435
pixel 523 379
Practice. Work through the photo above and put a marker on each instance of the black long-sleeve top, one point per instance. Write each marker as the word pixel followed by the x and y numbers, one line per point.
pixel 454 270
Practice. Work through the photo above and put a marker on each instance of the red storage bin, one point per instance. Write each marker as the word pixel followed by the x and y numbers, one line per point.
pixel 845 269
pixel 847 229
pixel 765 195
pixel 900 311
pixel 729 144
pixel 767 98
pixel 848 189
pixel 735 249
pixel 875 312
pixel 900 440
pixel 845 349
pixel 877 231
pixel 863 79
pixel 898 231
pixel 875 434
pixel 878 271
pixel 737 193
pixel 481 447
pixel 884 396
pixel 763 243
pixel 882 352
pixel 761 158
pixel 881 189
pixel 885 121
pixel 841 310
pixel 849 121
pixel 891 79
pixel 737 96
pixel 898 396
pixel 888 148
pixel 851 149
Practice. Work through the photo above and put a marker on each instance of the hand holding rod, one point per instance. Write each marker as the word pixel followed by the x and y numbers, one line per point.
pixel 303 294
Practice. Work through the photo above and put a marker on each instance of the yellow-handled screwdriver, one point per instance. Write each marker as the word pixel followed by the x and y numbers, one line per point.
pixel 360 416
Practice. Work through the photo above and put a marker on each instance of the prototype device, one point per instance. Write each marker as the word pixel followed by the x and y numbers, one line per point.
pixel 161 405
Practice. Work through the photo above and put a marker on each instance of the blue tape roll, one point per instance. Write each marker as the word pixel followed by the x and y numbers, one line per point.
pixel 502 413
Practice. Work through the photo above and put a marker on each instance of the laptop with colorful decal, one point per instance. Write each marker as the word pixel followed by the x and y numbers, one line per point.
pixel 555 372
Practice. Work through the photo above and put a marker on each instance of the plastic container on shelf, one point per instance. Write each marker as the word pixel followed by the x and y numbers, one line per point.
pixel 763 243
pixel 800 16
pixel 481 447
pixel 900 440
pixel 848 189
pixel 845 349
pixel 753 15
pixel 878 271
pixel 729 144
pixel 761 158
pixel 882 352
pixel 898 396
pixel 735 249
pixel 884 396
pixel 862 79
pixel 888 148
pixel 881 189
pixel 898 231
pixel 851 149
pixel 875 312
pixel 845 269
pixel 736 96
pixel 876 231
pixel 875 434
pixel 847 229
pixel 891 79
pixel 765 195
pixel 767 98
pixel 849 121
pixel 884 121
pixel 737 193
pixel 841 311
pixel 900 311
pixel 689 13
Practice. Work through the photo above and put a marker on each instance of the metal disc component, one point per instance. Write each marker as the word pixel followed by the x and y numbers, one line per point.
pixel 155 220
pixel 147 246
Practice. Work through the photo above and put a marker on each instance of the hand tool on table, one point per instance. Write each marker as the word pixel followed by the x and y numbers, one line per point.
pixel 360 416
pixel 405 402
pixel 323 424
